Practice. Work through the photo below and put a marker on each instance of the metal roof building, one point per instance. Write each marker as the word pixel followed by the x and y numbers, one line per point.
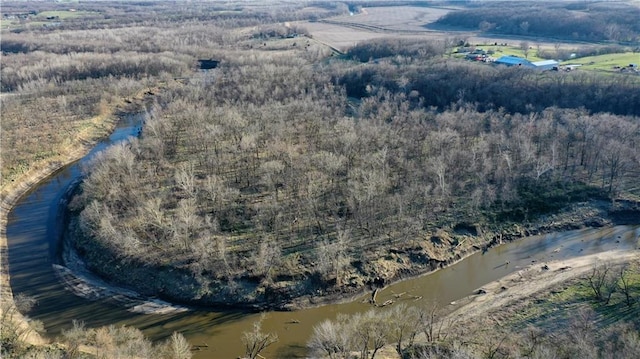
pixel 513 61
pixel 546 64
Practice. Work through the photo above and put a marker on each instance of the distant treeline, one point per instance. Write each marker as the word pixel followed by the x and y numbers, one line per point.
pixel 614 21
pixel 379 48
pixel 23 70
pixel 119 14
pixel 439 82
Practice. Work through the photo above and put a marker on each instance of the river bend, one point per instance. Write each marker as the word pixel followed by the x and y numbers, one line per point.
pixel 34 232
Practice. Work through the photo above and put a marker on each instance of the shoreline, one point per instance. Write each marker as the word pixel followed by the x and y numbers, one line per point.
pixel 533 279
pixel 40 171
pixel 10 196
pixel 85 283
pixel 569 220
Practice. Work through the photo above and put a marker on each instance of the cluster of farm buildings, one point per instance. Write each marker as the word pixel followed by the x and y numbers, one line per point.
pixel 519 61
pixel 510 60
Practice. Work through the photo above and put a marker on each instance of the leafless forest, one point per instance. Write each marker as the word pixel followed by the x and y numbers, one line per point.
pixel 291 170
pixel 285 172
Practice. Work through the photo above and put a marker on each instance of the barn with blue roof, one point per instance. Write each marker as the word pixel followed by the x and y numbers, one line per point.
pixel 513 61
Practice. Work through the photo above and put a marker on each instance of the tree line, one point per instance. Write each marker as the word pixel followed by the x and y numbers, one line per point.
pixel 115 14
pixel 408 48
pixel 440 82
pixel 574 21
pixel 426 333
pixel 21 70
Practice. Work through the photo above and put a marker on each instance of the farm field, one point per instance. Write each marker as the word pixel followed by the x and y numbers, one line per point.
pixel 63 14
pixel 394 18
pixel 341 37
pixel 44 18
pixel 608 62
pixel 509 50
pixel 342 32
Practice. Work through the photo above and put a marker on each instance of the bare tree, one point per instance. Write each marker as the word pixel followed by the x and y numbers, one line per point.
pixel 333 257
pixel 186 179
pixel 370 332
pixel 625 284
pixel 531 341
pixel 578 341
pixel 602 282
pixel 73 338
pixel 268 256
pixel 272 175
pixel 331 338
pixel 119 342
pixel 255 341
pixel 176 347
pixel 493 346
pixel 524 46
pixel 404 326
pixel 432 323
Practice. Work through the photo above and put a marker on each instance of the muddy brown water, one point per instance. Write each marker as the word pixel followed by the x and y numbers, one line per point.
pixel 33 234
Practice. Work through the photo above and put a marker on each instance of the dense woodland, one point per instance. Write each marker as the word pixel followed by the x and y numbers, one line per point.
pixel 583 20
pixel 263 173
pixel 442 82
pixel 84 67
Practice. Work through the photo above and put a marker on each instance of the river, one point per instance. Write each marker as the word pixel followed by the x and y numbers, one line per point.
pixel 33 234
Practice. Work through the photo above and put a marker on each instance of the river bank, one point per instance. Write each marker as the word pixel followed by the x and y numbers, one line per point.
pixel 101 126
pixel 401 264
pixel 503 300
pixel 16 190
pixel 535 278
pixel 393 266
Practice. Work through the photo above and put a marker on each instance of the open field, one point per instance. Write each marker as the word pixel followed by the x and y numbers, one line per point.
pixel 510 50
pixel 341 37
pixel 343 32
pixel 63 14
pixel 43 18
pixel 393 18
pixel 606 62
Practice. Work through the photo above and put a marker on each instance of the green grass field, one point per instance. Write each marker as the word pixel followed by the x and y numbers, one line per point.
pixel 606 62
pixel 41 18
pixel 500 51
pixel 555 308
pixel 62 14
